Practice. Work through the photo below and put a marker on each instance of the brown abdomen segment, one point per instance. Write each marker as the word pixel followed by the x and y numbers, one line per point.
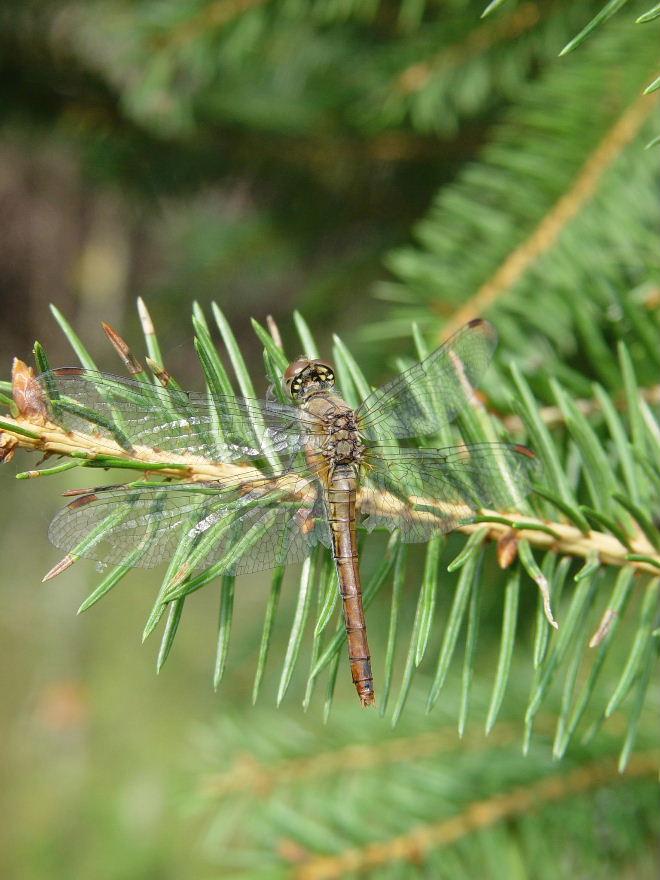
pixel 341 501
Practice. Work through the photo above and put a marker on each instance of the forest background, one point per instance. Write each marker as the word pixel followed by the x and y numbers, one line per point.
pixel 390 170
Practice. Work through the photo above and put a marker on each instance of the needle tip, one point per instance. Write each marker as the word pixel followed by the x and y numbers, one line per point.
pixel 61 566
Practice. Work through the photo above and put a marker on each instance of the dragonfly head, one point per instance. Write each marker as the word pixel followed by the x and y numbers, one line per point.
pixel 305 377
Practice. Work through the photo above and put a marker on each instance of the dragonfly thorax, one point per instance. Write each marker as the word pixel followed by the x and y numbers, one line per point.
pixel 337 438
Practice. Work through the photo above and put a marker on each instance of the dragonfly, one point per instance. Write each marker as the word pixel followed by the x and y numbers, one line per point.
pixel 299 474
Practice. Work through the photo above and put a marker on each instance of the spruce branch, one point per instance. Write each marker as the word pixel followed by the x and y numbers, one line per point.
pixel 546 233
pixel 553 415
pixel 563 785
pixel 460 788
pixel 215 15
pixel 252 775
pixel 484 37
pixel 416 844
pixel 606 12
pixel 33 431
pixel 561 528
pixel 550 204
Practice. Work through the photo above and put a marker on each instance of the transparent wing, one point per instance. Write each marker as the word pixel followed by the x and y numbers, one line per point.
pixel 252 525
pixel 432 392
pixel 424 491
pixel 216 427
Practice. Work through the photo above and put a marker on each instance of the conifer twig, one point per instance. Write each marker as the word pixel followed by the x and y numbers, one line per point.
pixel 416 76
pixel 547 231
pixel 553 415
pixel 34 431
pixel 480 814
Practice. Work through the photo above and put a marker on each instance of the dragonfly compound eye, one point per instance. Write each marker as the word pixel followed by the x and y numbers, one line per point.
pixel 303 377
pixel 293 377
pixel 322 372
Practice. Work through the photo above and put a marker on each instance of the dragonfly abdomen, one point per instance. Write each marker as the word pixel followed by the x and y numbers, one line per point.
pixel 341 496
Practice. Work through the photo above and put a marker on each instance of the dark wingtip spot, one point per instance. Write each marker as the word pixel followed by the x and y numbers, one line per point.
pixel 81 502
pixel 70 492
pixel 475 322
pixel 524 450
pixel 68 371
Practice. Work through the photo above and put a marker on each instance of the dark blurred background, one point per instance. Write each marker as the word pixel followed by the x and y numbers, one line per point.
pixel 185 158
